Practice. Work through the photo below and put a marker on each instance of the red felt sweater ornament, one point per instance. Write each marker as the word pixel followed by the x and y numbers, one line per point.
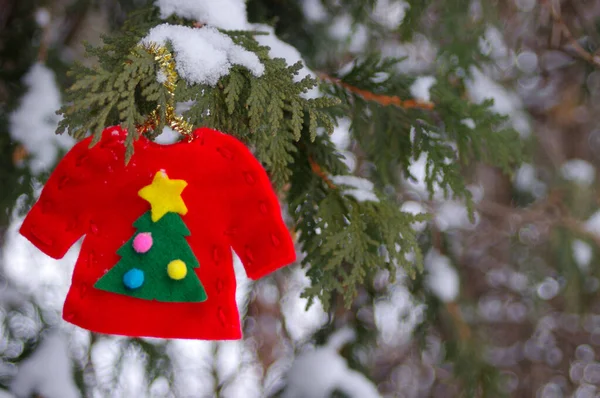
pixel 156 259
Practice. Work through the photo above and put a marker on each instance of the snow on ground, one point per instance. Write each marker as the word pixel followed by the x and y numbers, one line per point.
pixel 203 55
pixel 34 122
pixel 222 14
pixel 317 373
pixel 578 171
pixel 442 278
pixel 47 372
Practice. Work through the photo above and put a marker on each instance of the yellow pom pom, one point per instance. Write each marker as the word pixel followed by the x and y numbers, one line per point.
pixel 177 270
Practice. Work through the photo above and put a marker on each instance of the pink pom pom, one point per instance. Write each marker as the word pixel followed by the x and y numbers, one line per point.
pixel 142 242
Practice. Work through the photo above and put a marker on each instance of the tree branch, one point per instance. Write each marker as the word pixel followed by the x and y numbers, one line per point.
pixel 319 171
pixel 384 100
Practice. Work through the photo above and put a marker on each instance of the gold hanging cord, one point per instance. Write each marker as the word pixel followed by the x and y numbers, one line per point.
pixel 167 67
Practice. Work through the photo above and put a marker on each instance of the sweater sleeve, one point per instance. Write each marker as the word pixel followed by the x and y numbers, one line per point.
pixel 256 230
pixel 62 213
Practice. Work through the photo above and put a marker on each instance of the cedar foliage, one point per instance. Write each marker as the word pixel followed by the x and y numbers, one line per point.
pixel 346 241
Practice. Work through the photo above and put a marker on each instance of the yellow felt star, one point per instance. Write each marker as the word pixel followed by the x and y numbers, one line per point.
pixel 164 195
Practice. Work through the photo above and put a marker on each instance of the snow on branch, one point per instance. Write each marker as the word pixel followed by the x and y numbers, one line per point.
pixel 34 122
pixel 203 55
pixel 223 14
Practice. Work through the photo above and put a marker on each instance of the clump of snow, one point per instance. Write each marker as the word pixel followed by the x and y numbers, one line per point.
pixel 47 372
pixel 360 188
pixel 223 14
pixel 442 278
pixel 341 133
pixel 397 315
pixel 418 170
pixel 593 223
pixel 203 55
pixel 42 17
pixel 481 87
pixel 524 177
pixel 492 44
pixel 190 359
pixel 420 54
pixel 415 208
pixel 582 253
pixel 390 13
pixel 477 192
pixel 355 36
pixel 341 139
pixel 318 373
pixel 470 123
pixel 34 122
pixel 420 88
pixel 578 171
pixel 314 10
pixel 132 379
pixel 168 136
pixel 452 214
pixel 525 180
pixel 35 273
pixel 302 323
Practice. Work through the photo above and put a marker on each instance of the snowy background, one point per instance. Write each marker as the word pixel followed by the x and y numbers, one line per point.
pixel 513 273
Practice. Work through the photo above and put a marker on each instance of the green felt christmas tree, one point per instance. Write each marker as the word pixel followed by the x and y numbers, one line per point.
pixel 157 263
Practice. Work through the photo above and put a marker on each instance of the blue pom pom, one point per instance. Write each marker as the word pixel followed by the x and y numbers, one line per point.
pixel 133 278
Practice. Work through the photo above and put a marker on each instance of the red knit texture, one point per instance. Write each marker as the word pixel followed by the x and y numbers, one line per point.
pixel 231 204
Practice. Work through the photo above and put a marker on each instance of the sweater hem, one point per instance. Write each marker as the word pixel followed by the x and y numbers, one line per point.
pixel 214 335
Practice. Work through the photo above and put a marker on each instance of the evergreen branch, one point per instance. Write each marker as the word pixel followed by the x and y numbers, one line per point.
pixel 346 241
pixel 450 135
pixel 270 112
pixel 384 100
pixel 319 171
